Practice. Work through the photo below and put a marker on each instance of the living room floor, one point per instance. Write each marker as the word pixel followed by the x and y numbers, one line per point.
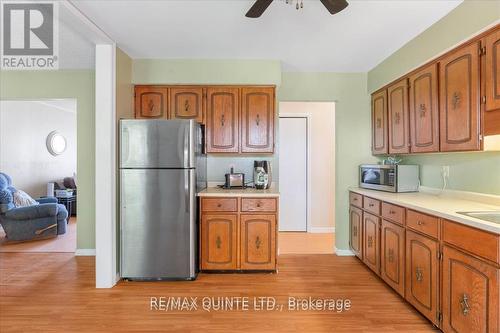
pixel 61 243
pixel 58 294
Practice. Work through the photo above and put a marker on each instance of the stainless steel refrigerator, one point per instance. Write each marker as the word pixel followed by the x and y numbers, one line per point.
pixel 162 166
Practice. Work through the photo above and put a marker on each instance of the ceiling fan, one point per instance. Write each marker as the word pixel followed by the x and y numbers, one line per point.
pixel 260 6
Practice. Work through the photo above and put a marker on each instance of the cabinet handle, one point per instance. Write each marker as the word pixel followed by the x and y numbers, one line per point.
pixel 257 120
pixel 355 199
pixel 379 123
pixel 258 204
pixel 391 212
pixel 455 100
pixel 371 204
pixel 422 110
pixel 398 117
pixel 218 242
pixel 186 106
pixel 419 274
pixel 222 120
pixel 151 105
pixel 219 205
pixel 370 241
pixel 464 303
pixel 354 231
pixel 391 255
pixel 420 222
pixel 257 242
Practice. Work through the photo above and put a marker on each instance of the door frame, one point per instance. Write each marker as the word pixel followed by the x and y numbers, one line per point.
pixel 307 116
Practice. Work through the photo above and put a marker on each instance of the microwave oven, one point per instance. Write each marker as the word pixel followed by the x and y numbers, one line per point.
pixel 389 178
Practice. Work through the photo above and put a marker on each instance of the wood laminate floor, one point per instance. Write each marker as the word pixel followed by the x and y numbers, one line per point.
pixel 54 292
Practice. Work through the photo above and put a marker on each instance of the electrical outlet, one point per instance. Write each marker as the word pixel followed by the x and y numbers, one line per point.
pixel 446 171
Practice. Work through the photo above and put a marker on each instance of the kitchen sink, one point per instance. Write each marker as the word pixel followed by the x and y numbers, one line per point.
pixel 490 216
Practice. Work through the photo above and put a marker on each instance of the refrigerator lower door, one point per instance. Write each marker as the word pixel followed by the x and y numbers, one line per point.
pixel 158 224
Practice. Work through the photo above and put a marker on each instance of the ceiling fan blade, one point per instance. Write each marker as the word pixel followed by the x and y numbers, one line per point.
pixel 258 8
pixel 334 6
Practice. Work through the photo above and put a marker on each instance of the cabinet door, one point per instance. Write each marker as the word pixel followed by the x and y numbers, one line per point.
pixel 257 120
pixel 399 126
pixel 492 70
pixel 422 274
pixel 356 231
pixel 151 102
pixel 459 98
pixel 187 103
pixel 219 241
pixel 392 240
pixel 371 242
pixel 258 242
pixel 223 107
pixel 424 110
pixel 470 294
pixel 379 123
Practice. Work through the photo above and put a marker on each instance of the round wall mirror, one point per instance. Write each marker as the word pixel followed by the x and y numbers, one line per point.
pixel 56 143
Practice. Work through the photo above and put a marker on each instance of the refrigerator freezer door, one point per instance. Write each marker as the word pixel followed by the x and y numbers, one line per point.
pixel 157 143
pixel 158 224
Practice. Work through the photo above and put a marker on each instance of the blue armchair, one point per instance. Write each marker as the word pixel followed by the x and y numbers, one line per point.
pixel 48 219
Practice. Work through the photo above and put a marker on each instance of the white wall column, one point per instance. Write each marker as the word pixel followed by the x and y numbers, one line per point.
pixel 105 166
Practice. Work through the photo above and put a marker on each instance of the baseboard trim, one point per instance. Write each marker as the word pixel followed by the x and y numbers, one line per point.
pixel 321 230
pixel 344 253
pixel 85 252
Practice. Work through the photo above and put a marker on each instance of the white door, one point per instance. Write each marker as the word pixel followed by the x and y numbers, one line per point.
pixel 293 174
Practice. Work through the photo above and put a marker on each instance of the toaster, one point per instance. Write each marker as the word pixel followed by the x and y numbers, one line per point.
pixel 234 179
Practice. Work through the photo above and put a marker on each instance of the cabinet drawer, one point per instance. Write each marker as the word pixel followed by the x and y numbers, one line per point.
pixel 219 204
pixel 356 199
pixel 258 205
pixel 393 213
pixel 424 223
pixel 478 242
pixel 371 205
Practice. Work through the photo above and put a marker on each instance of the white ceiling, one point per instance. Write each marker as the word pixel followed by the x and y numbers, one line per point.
pixel 354 40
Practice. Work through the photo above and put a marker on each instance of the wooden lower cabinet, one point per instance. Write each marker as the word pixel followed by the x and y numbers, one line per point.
pixel 422 274
pixel 371 242
pixel 356 231
pixel 219 239
pixel 392 255
pixel 258 241
pixel 233 239
pixel 470 294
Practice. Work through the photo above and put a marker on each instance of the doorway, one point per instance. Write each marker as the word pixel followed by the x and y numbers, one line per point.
pixel 306 152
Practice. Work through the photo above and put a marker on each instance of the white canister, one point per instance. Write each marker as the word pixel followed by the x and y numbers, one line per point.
pixel 50 189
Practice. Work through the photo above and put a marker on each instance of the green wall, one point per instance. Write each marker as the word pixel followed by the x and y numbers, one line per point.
pixel 204 71
pixel 77 84
pixel 352 126
pixel 477 172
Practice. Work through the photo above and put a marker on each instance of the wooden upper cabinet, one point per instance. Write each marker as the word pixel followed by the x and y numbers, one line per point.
pixel 258 241
pixel 379 123
pixel 223 105
pixel 151 102
pixel 491 44
pixel 392 269
pixel 422 274
pixel 470 294
pixel 257 120
pixel 371 242
pixel 187 103
pixel 459 99
pixel 356 231
pixel 219 244
pixel 399 127
pixel 424 110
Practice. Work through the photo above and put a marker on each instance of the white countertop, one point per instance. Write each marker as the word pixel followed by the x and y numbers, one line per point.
pixel 444 204
pixel 238 192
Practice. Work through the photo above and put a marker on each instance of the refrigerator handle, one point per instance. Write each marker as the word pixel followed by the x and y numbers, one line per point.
pixel 186 147
pixel 124 145
pixel 187 186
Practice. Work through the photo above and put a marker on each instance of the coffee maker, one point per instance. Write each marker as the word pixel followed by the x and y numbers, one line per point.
pixel 262 174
